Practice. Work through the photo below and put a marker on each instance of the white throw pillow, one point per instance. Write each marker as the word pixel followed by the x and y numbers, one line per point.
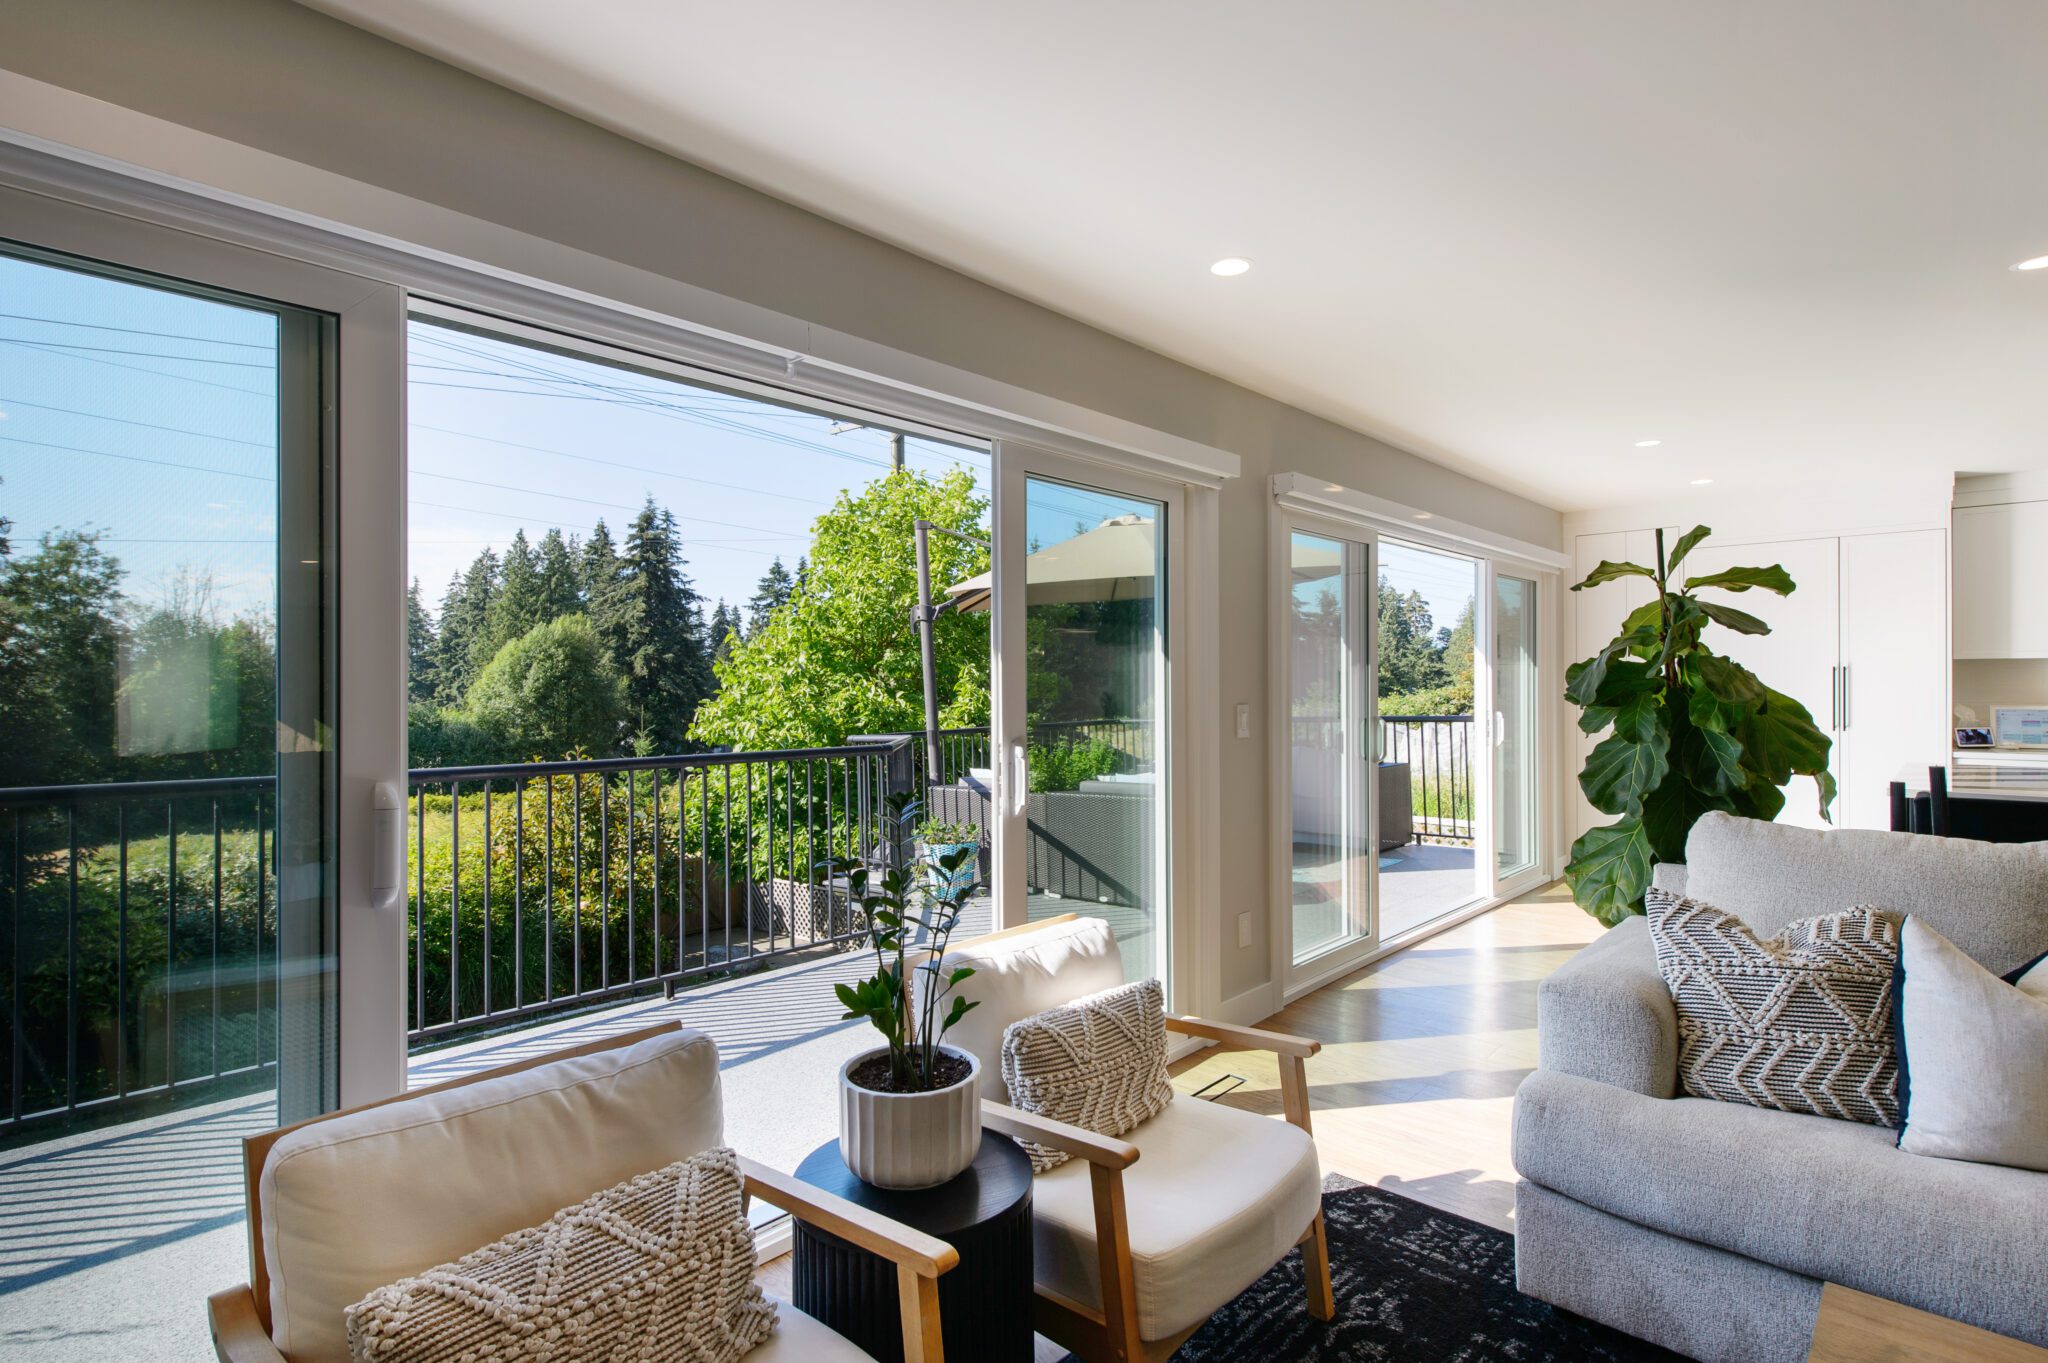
pixel 659 1267
pixel 1973 1057
pixel 2032 978
pixel 1098 1062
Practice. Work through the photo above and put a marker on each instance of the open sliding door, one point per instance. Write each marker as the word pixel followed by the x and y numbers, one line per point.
pixel 1086 712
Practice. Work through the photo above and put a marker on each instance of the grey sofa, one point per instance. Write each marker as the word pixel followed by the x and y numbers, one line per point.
pixel 1709 1227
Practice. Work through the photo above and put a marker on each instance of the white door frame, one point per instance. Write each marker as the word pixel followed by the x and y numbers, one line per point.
pixel 369 626
pixel 1179 963
pixel 1360 769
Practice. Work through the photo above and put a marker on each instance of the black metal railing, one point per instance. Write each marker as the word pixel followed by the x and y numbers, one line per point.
pixel 1438 752
pixel 541 886
pixel 141 940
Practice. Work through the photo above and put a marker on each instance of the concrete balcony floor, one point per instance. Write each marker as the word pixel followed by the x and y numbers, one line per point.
pixel 114 1237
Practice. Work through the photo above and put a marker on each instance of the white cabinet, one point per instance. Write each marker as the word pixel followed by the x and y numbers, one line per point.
pixel 1862 643
pixel 2001 559
pixel 1895 670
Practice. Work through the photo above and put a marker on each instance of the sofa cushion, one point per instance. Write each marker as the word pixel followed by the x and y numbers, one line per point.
pixel 1217 1197
pixel 1024 973
pixel 1801 1022
pixel 1098 1063
pixel 1976 1048
pixel 659 1266
pixel 1990 899
pixel 1827 1199
pixel 365 1199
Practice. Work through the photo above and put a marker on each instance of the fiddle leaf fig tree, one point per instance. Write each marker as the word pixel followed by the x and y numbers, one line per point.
pixel 1688 729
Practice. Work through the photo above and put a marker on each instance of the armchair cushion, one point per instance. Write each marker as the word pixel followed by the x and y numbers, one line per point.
pixel 1606 1015
pixel 799 1338
pixel 1018 976
pixel 362 1200
pixel 661 1265
pixel 1217 1197
pixel 1098 1063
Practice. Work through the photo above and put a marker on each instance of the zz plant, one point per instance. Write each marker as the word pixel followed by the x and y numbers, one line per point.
pixel 1691 730
pixel 900 902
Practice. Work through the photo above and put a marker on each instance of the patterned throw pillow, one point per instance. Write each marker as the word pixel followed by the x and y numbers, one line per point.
pixel 1801 1022
pixel 661 1266
pixel 1098 1062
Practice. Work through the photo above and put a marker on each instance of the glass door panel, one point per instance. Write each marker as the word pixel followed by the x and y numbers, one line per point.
pixel 167 803
pixel 1516 751
pixel 1330 750
pixel 1427 611
pixel 1094 693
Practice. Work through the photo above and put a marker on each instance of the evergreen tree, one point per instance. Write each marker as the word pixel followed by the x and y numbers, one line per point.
pixel 657 633
pixel 463 644
pixel 518 605
pixel 561 587
pixel 725 623
pixel 59 645
pixel 770 592
pixel 419 645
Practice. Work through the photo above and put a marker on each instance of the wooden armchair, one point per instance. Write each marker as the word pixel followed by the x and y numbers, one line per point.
pixel 348 1202
pixel 1140 1239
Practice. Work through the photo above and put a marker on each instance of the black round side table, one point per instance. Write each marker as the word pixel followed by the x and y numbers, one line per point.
pixel 984 1214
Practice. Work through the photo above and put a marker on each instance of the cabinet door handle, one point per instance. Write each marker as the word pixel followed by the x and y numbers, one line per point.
pixel 1845 697
pixel 1834 697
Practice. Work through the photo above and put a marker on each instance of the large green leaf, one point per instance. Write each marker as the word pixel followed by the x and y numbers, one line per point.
pixel 1648 616
pixel 1713 761
pixel 1582 680
pixel 1608 571
pixel 1625 682
pixel 1685 545
pixel 1780 739
pixel 1742 622
pixel 1610 869
pixel 1771 579
pixel 1669 813
pixel 1620 771
pixel 1730 682
pixel 1758 801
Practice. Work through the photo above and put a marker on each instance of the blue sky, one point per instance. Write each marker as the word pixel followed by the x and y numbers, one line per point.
pixel 151 416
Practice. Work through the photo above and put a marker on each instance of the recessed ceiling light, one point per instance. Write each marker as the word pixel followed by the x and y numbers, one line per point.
pixel 1701 482
pixel 1230 265
pixel 2037 263
pixel 1646 444
pixel 1425 516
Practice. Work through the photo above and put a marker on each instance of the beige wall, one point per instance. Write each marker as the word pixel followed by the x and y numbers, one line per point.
pixel 287 81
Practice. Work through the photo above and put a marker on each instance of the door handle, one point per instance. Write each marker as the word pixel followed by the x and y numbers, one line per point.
pixel 386 880
pixel 1834 697
pixel 1019 779
pixel 1845 697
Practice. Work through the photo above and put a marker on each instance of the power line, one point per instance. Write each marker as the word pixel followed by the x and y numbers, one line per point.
pixel 613 463
pixel 138 459
pixel 144 369
pixel 150 425
pixel 591 501
pixel 139 354
pixel 134 331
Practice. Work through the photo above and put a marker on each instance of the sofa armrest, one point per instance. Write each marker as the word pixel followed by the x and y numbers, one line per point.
pixel 1607 1016
pixel 1669 876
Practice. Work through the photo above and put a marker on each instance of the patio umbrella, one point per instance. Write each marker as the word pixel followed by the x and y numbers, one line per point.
pixel 1116 561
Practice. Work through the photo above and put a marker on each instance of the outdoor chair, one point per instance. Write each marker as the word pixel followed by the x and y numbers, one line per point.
pixel 386 1190
pixel 1140 1239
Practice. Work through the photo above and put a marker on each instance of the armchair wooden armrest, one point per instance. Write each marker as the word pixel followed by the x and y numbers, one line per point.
pixel 919 1258
pixel 1105 1151
pixel 1248 1038
pixel 238 1333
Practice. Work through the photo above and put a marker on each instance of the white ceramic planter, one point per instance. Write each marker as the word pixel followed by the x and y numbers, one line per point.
pixel 909 1140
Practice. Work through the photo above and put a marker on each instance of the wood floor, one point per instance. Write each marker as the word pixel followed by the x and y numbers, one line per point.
pixel 1422 1051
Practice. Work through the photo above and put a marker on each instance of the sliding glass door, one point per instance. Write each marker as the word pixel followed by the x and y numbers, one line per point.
pixel 1084 699
pixel 1517 726
pixel 1331 794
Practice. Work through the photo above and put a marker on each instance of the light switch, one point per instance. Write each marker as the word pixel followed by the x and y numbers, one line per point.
pixel 1244 720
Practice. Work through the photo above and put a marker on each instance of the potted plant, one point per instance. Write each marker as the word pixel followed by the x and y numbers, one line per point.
pixel 937 841
pixel 910 1109
pixel 1692 729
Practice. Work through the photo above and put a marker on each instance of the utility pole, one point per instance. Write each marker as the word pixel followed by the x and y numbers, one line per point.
pixel 896 452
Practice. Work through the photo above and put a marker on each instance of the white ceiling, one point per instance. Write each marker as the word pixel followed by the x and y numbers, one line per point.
pixel 1515 237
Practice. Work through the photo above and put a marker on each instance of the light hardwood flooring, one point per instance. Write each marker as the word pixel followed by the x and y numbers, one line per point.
pixel 1422 1051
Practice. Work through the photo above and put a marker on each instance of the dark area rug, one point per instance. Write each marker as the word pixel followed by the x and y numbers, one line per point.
pixel 1413 1284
